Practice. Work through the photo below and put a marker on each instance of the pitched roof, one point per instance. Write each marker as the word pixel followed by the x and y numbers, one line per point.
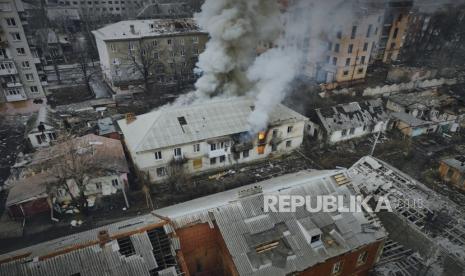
pixel 409 119
pixel 109 153
pixel 31 187
pixel 457 163
pixel 170 126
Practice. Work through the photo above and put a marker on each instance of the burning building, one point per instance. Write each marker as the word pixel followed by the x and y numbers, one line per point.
pixel 211 135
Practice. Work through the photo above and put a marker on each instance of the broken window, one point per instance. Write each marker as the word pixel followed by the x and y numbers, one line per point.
pixel 362 258
pixel 337 268
pixel 213 161
pixel 345 73
pixel 288 144
pixel 360 70
pixel 126 247
pixel 222 158
pixel 161 171
pixel 245 153
pixel 289 129
pixel 158 155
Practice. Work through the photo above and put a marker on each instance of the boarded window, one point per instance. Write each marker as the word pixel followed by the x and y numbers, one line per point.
pixel 197 163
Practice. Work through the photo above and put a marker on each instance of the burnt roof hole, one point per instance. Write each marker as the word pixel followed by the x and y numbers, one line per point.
pixel 126 247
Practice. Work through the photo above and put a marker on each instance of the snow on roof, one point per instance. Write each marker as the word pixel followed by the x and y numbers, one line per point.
pixel 133 29
pixel 170 126
pixel 409 119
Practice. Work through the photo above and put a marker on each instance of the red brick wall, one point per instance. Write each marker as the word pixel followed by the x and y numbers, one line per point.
pixel 30 208
pixel 349 260
pixel 204 251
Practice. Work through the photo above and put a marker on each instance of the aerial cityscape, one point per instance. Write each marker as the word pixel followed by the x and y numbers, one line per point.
pixel 232 137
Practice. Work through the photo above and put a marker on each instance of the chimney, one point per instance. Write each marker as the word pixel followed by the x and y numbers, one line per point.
pixel 130 117
pixel 103 237
pixel 131 27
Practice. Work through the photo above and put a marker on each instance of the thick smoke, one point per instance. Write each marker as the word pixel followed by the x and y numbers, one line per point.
pixel 230 65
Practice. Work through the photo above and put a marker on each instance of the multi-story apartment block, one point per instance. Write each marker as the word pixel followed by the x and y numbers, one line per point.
pixel 212 135
pixel 157 52
pixel 350 47
pixel 396 22
pixel 20 82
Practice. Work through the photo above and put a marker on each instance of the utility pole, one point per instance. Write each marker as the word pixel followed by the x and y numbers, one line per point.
pixel 376 139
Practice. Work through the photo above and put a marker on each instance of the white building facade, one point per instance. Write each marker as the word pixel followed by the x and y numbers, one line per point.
pixel 208 136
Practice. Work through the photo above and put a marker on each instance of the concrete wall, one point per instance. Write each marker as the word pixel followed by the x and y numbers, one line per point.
pixel 395 88
pixel 146 161
pixel 358 132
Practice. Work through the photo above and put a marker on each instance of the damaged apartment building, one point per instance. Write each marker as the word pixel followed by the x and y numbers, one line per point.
pixel 422 221
pixel 452 170
pixel 139 55
pixel 228 233
pixel 214 134
pixel 348 121
pixel 426 111
pixel 50 176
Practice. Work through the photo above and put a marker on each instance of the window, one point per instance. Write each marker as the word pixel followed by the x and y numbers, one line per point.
pixel 330 46
pixel 156 56
pixel 98 186
pixel 328 59
pixel 288 144
pixel 334 60
pixel 177 152
pixel 289 129
pixel 114 182
pixel 195 40
pixel 113 47
pixel 396 31
pixel 351 48
pixel 52 136
pixel 158 155
pixel 362 60
pixel 362 258
pixel 352 131
pixel 34 89
pixel 168 41
pixel 369 30
pixel 274 147
pixel 20 51
pixel 196 147
pixel 365 47
pixel 337 268
pixel 161 171
pixel 222 158
pixel 41 139
pixel 154 43
pixel 213 161
pixel 393 45
pixel 354 32
pixel 212 146
pixel 344 132
pixel 339 34
pixel 29 77
pixel 360 70
pixel 345 73
pixel 183 52
pixel 336 48
pixel 181 41
pixel 131 46
pixel 347 61
pixel 245 153
pixel 10 21
pixel 15 36
pixel 315 238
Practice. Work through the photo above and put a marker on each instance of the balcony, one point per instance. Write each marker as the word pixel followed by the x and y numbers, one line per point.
pixel 16 97
pixel 217 153
pixel 7 68
pixel 14 84
pixel 36 60
pixel 44 83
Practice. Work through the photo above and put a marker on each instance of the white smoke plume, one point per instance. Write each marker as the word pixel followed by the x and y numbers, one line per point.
pixel 230 66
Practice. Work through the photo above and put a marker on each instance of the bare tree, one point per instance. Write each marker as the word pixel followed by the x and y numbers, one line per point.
pixel 144 59
pixel 178 177
pixel 83 59
pixel 73 164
